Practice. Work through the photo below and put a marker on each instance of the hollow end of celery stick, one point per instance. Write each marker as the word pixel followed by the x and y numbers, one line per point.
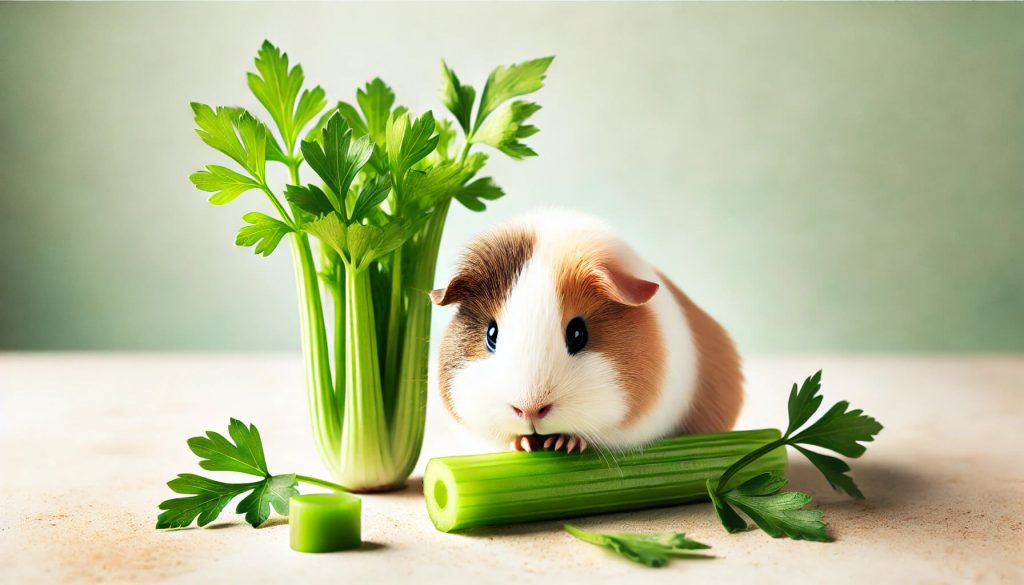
pixel 503 488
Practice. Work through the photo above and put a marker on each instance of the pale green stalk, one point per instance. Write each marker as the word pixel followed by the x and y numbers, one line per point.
pixel 366 459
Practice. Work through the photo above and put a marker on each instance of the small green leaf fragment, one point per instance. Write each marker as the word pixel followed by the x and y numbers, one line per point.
pixel 652 550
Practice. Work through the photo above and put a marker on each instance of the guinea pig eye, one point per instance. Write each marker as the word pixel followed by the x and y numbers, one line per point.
pixel 492 336
pixel 575 335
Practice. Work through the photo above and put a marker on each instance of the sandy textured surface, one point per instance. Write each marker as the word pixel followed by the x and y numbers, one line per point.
pixel 88 441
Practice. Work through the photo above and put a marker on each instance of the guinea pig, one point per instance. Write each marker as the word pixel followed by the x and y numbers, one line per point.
pixel 565 337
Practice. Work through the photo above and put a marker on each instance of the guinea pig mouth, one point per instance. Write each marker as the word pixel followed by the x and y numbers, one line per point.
pixel 552 442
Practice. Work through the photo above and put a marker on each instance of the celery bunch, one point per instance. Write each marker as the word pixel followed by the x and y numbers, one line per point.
pixel 386 180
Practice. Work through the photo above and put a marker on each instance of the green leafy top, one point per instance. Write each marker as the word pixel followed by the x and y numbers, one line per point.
pixel 236 133
pixel 506 83
pixel 384 172
pixel 653 550
pixel 780 513
pixel 337 159
pixel 458 98
pixel 277 87
pixel 206 498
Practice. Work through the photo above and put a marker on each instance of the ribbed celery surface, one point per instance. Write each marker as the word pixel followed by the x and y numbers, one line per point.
pixel 504 488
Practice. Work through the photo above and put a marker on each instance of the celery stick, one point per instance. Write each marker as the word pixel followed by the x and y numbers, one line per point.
pixel 503 488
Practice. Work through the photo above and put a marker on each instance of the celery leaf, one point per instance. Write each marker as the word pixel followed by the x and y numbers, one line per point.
pixel 310 199
pixel 376 100
pixel 653 550
pixel 473 194
pixel 337 158
pixel 264 232
pixel 776 512
pixel 505 83
pixel 277 87
pixel 372 193
pixel 456 97
pixel 506 127
pixel 206 498
pixel 236 133
pixel 224 183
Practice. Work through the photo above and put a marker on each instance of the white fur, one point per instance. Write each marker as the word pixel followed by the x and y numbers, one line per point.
pixel 531 364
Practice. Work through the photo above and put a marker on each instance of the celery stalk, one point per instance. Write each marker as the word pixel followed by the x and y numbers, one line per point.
pixel 385 182
pixel 501 488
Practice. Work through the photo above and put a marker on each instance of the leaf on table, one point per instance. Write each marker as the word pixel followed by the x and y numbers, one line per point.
pixel 206 498
pixel 264 232
pixel 776 512
pixel 726 514
pixel 653 550
pixel 273 491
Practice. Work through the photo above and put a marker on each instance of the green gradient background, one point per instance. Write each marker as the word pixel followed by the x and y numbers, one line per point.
pixel 820 177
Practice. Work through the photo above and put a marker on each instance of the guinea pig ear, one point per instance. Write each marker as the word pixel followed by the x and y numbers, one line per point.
pixel 622 287
pixel 455 292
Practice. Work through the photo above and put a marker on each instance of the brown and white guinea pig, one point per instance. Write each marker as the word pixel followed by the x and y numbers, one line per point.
pixel 565 337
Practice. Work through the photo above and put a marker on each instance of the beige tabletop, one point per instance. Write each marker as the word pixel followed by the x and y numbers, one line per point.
pixel 87 442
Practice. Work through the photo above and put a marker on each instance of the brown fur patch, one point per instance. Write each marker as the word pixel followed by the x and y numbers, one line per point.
pixel 719 396
pixel 487 272
pixel 629 336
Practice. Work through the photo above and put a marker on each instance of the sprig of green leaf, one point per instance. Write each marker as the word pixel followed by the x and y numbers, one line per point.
pixel 277 87
pixel 206 498
pixel 654 550
pixel 782 513
pixel 263 232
